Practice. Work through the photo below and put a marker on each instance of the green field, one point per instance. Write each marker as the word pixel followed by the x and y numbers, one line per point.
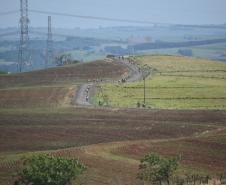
pixel 212 51
pixel 3 62
pixel 4 49
pixel 175 83
pixel 87 56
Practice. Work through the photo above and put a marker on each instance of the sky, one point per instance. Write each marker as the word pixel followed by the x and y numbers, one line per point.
pixel 159 11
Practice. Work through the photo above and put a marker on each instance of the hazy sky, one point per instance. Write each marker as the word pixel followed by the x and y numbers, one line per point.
pixel 165 11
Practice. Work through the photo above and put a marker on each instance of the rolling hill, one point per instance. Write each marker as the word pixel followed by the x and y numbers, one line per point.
pixel 37 115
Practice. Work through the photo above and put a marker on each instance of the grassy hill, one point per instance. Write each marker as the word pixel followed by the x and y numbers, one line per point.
pixel 174 83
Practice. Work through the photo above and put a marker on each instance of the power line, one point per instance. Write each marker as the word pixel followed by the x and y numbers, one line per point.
pixel 92 17
pixel 111 19
pixel 9 12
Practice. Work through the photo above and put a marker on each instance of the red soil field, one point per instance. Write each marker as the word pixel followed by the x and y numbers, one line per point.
pixel 25 131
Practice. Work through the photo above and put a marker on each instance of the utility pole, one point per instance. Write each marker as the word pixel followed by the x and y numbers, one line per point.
pixel 24 57
pixel 144 92
pixel 49 44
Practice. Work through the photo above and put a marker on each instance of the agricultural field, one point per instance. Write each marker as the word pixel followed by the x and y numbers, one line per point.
pixel 111 142
pixel 4 49
pixel 54 87
pixel 211 52
pixel 64 75
pixel 5 62
pixel 174 83
pixel 84 55
pixel 37 115
pixel 32 97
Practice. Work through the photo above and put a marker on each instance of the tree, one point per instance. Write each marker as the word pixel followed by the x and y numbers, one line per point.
pixel 156 169
pixel 64 59
pixel 168 167
pixel 49 170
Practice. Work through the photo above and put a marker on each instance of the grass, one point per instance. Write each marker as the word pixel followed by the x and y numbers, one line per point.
pixel 213 51
pixel 87 55
pixel 175 83
pixel 5 49
pixel 194 152
pixel 3 73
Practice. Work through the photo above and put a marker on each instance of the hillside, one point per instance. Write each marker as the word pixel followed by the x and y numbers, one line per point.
pixel 52 87
pixel 174 83
pixel 71 74
pixel 37 115
pixel 111 142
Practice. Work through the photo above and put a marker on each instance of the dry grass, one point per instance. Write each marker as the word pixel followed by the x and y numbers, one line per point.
pixel 52 87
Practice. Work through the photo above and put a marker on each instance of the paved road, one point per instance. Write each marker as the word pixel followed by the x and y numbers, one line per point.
pixel 84 93
pixel 136 73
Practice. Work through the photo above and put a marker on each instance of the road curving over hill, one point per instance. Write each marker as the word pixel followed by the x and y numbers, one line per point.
pixel 82 95
pixel 85 92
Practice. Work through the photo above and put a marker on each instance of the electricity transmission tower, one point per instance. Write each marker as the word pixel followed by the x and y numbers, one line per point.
pixel 49 44
pixel 24 58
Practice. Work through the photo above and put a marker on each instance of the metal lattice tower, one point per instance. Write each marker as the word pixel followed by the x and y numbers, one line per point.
pixel 24 58
pixel 49 44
